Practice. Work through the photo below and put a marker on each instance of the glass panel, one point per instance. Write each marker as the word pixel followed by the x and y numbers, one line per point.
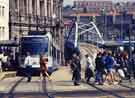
pixel 34 45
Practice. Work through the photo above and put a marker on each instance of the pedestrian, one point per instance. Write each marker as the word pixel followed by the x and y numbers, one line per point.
pixel 133 64
pixel 43 68
pixel 99 69
pixel 5 62
pixel 16 60
pixel 88 70
pixel 109 66
pixel 0 65
pixel 76 68
pixel 128 67
pixel 28 64
pixel 124 65
pixel 1 56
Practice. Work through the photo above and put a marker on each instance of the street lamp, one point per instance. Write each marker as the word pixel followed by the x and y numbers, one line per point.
pixel 130 31
pixel 123 11
pixel 76 26
pixel 103 13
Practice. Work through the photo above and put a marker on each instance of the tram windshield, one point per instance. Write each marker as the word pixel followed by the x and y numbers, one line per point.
pixel 34 45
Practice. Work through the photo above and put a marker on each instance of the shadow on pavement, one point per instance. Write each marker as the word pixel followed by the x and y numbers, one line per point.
pixel 45 90
pixel 79 93
pixel 108 92
pixel 12 94
pixel 131 88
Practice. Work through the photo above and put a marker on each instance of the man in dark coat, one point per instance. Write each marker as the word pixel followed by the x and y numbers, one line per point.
pixel 99 69
pixel 76 67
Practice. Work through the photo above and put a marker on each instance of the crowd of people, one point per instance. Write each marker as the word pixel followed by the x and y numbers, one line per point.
pixel 109 68
pixel 8 60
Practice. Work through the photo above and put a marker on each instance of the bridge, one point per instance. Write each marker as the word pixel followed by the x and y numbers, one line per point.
pixel 83 35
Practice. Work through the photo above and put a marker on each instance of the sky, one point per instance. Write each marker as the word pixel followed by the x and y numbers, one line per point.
pixel 70 2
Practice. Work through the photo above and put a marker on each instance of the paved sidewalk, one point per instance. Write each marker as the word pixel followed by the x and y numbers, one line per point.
pixel 61 82
pixel 62 85
pixel 7 74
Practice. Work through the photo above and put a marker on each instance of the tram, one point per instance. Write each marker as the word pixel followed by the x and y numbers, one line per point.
pixel 36 45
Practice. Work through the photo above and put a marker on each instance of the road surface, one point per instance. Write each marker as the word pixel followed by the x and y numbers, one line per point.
pixel 61 86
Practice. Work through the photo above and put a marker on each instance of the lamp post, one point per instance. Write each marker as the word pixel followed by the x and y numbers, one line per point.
pixel 123 11
pixel 76 26
pixel 130 50
pixel 103 13
pixel 130 32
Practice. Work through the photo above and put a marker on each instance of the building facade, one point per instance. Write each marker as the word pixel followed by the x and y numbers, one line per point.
pixel 4 20
pixel 39 16
pixel 96 6
pixel 34 15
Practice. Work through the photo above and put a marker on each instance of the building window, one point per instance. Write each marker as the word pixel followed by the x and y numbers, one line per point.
pixel 16 4
pixel 2 30
pixel 25 8
pixel 0 34
pixel 0 10
pixel 3 8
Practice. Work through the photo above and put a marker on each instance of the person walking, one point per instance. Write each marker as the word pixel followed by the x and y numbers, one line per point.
pixel 1 56
pixel 109 66
pixel 43 68
pixel 99 69
pixel 76 68
pixel 133 64
pixel 88 69
pixel 5 62
pixel 28 64
pixel 0 65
